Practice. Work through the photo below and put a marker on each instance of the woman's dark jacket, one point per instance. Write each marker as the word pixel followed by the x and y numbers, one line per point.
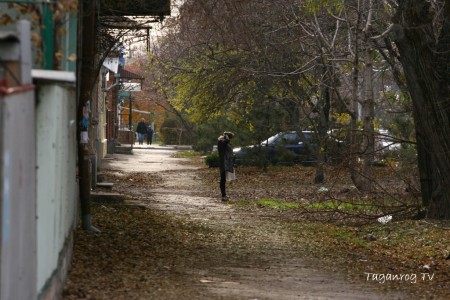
pixel 141 128
pixel 226 158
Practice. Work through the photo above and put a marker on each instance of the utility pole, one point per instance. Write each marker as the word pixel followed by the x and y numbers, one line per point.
pixel 86 55
pixel 130 123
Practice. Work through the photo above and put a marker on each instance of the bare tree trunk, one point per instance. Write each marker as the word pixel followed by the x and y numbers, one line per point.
pixel 367 116
pixel 323 126
pixel 426 66
pixel 361 170
pixel 354 165
pixel 354 160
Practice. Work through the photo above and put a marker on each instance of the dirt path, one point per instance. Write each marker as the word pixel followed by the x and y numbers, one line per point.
pixel 231 254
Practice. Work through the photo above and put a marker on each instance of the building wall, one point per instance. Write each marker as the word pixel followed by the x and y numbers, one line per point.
pixel 57 192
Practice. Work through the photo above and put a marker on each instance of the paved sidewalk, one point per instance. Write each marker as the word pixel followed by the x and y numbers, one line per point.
pixel 158 146
pixel 146 158
pixel 236 254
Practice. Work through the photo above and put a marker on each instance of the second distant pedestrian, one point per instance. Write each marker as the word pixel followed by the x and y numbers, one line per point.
pixel 149 135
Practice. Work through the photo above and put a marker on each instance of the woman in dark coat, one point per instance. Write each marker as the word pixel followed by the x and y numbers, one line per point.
pixel 226 160
pixel 141 131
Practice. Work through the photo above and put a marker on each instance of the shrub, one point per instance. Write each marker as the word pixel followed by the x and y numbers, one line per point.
pixel 205 143
pixel 287 158
pixel 172 133
pixel 212 159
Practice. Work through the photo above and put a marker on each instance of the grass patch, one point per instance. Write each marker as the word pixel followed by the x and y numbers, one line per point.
pixel 316 206
pixel 277 204
pixel 188 154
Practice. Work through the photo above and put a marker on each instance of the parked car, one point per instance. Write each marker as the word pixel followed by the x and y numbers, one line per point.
pixel 284 147
pixel 385 141
pixel 386 145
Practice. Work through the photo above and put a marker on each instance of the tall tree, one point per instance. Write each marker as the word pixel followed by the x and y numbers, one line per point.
pixel 422 35
pixel 344 31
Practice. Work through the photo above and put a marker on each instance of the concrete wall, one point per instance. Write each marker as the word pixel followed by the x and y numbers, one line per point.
pixel 17 198
pixel 57 192
pixel 38 183
pixel 38 190
pixel 17 167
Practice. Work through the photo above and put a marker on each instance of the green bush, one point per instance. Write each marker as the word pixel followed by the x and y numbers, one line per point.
pixel 172 133
pixel 212 159
pixel 205 143
pixel 256 156
pixel 287 158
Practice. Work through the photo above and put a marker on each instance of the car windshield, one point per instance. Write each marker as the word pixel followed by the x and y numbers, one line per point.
pixel 272 139
pixel 290 138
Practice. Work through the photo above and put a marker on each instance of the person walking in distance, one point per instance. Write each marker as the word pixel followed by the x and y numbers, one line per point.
pixel 141 131
pixel 149 134
pixel 226 160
